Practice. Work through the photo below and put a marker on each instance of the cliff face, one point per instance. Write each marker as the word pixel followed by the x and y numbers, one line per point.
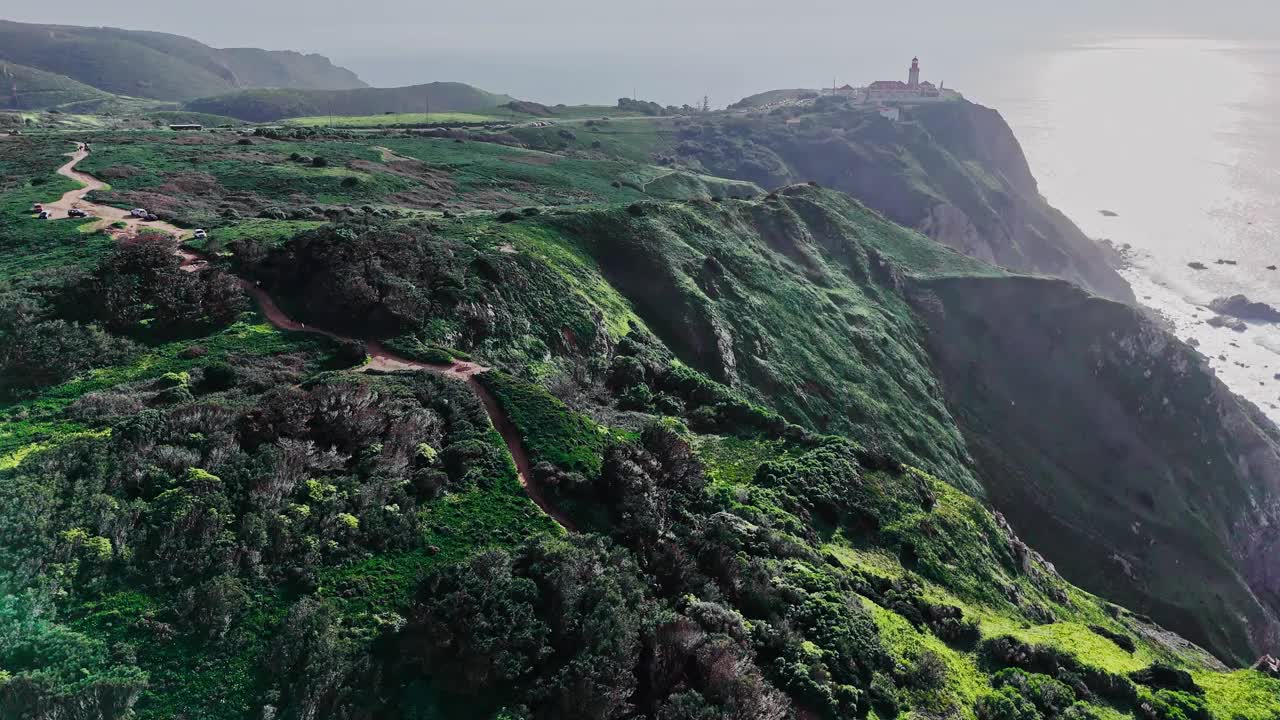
pixel 1024 232
pixel 1113 449
pixel 954 171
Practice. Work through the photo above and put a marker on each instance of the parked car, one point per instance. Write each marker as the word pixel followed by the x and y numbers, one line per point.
pixel 138 212
pixel 200 234
pixel 43 215
pixel 37 208
pixel 150 217
pixel 77 213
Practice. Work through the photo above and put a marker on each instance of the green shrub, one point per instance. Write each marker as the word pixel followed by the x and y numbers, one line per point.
pixel 1006 704
pixel 551 431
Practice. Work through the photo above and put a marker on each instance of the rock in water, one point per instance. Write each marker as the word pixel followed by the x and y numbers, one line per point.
pixel 1241 307
pixel 1220 321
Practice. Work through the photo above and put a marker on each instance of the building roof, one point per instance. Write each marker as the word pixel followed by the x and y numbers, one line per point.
pixel 888 85
pixel 846 86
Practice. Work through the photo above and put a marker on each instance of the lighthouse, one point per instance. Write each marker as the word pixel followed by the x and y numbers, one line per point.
pixel 913 80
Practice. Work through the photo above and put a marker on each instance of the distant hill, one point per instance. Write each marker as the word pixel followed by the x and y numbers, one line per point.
pixel 162 66
pixel 271 105
pixel 27 88
pixel 772 96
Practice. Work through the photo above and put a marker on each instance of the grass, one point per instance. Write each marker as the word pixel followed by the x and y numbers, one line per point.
pixel 637 139
pixel 27 245
pixel 270 233
pixel 1241 695
pixel 964 682
pixel 396 119
pixel 551 431
pixel 788 288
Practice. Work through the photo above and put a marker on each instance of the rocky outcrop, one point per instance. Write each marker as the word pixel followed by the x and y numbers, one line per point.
pixel 1113 449
pixel 1239 306
pixel 1268 665
pixel 1017 226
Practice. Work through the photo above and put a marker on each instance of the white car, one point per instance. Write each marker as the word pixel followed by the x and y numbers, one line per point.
pixel 138 212
pixel 200 234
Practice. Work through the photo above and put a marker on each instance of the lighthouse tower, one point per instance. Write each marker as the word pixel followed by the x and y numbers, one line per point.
pixel 914 77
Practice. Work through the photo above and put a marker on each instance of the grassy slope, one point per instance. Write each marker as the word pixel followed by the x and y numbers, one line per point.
pixel 157 65
pixel 800 277
pixel 955 154
pixel 967 564
pixel 26 244
pixel 189 676
pixel 797 314
pixel 38 90
pixel 270 105
pixel 392 119
pixel 193 180
pixel 1158 493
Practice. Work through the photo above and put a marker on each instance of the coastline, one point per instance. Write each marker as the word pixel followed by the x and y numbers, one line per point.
pixel 1189 191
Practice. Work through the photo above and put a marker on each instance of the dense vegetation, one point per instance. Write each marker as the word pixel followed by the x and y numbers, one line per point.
pixel 158 65
pixel 730 394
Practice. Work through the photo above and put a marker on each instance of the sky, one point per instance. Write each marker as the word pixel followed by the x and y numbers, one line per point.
pixel 674 51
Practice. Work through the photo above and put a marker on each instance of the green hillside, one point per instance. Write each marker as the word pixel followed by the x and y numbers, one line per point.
pixel 158 65
pixel 26 88
pixel 272 105
pixel 954 171
pixel 747 409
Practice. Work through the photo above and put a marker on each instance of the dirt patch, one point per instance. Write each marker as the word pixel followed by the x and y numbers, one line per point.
pixel 192 183
pixel 490 200
pixel 408 169
pixel 156 202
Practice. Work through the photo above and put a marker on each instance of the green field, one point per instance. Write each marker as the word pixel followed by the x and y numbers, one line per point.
pixel 398 119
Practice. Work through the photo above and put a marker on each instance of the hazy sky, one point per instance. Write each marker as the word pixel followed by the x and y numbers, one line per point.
pixel 670 50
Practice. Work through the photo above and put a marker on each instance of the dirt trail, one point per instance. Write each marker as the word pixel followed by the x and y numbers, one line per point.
pixel 390 156
pixel 380 359
pixel 75 199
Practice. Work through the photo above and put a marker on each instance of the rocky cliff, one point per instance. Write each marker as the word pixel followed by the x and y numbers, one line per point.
pixel 954 171
pixel 1113 449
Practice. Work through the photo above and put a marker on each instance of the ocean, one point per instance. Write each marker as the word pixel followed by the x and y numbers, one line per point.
pixel 1178 140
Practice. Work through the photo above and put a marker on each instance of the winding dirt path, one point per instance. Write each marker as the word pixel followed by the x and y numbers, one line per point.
pixel 75 199
pixel 380 359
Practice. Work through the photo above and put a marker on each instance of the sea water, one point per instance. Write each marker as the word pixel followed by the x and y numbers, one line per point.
pixel 1177 139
